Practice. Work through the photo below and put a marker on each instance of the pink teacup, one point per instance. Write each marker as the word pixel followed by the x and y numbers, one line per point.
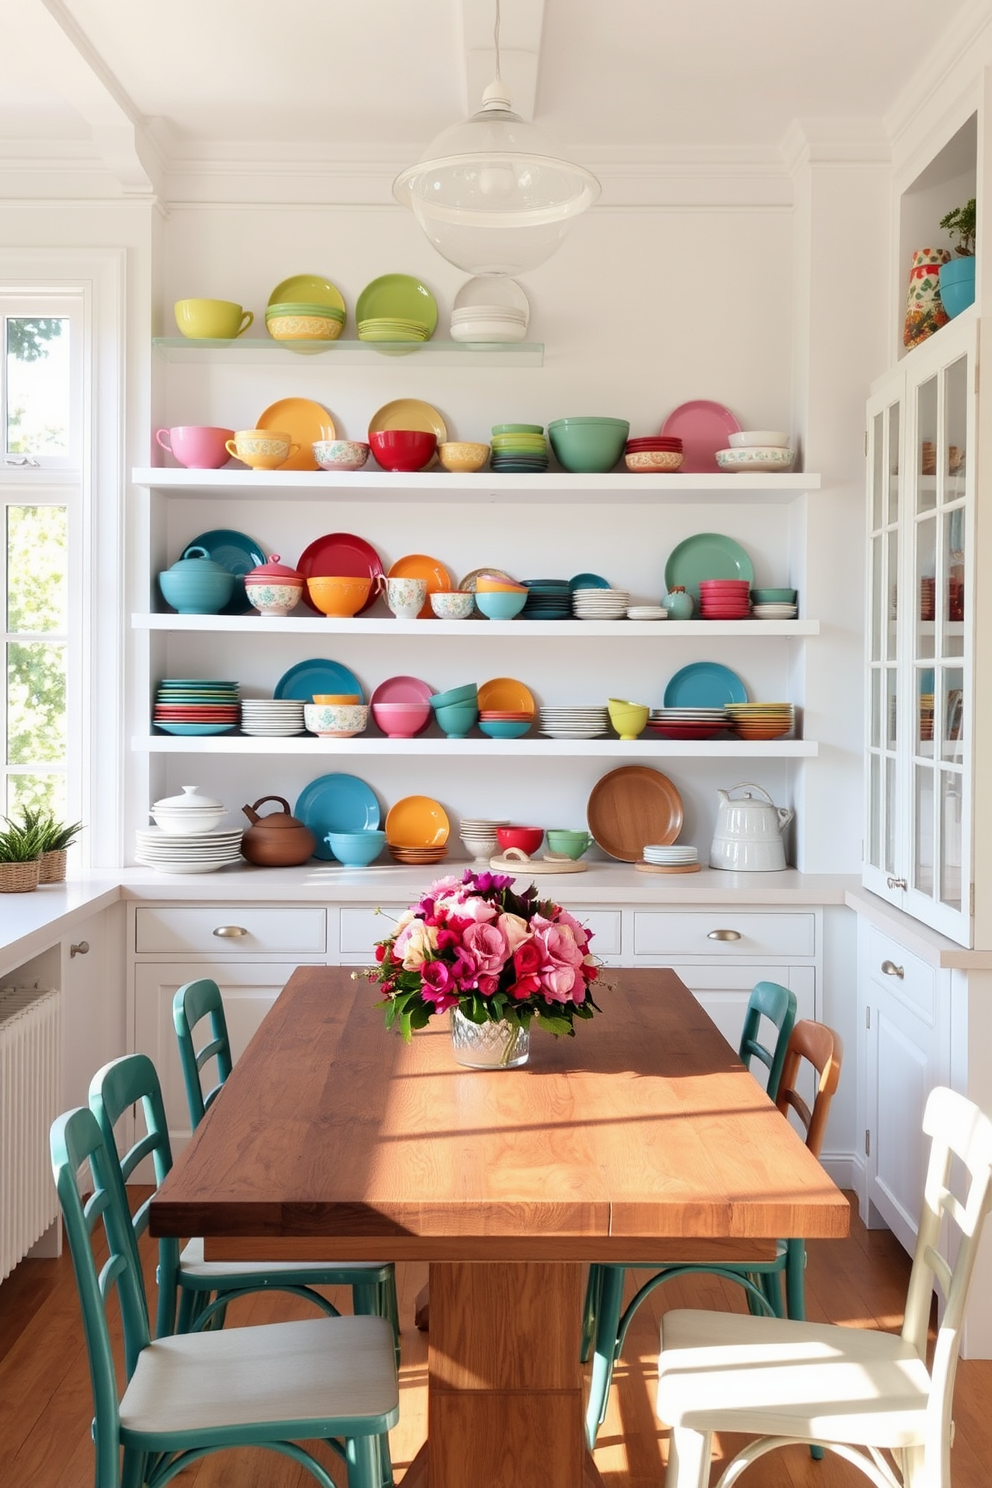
pixel 196 446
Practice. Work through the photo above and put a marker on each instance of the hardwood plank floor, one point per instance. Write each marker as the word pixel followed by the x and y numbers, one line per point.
pixel 45 1406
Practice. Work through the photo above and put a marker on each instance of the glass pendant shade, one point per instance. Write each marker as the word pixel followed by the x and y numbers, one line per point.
pixel 493 194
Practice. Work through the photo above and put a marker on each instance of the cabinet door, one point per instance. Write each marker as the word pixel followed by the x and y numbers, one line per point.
pixel 94 1025
pixel 724 990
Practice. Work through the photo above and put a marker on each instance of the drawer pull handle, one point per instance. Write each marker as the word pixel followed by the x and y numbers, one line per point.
pixel 81 948
pixel 230 932
pixel 891 969
pixel 896 883
pixel 724 935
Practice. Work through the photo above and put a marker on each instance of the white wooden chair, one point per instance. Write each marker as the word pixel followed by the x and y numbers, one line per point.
pixel 856 1391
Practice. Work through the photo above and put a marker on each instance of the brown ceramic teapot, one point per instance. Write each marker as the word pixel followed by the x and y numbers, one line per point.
pixel 278 840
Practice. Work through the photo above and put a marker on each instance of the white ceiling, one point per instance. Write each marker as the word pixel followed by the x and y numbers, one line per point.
pixel 368 80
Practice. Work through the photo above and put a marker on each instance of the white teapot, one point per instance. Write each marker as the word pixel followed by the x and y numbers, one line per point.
pixel 748 837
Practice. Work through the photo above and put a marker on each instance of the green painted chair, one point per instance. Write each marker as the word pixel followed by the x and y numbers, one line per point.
pixel 373 1283
pixel 193 1394
pixel 604 1322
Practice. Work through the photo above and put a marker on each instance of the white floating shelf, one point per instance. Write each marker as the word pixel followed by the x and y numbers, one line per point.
pixel 485 487
pixel 322 625
pixel 255 351
pixel 323 749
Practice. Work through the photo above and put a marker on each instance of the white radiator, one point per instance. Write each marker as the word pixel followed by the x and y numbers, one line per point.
pixel 30 1097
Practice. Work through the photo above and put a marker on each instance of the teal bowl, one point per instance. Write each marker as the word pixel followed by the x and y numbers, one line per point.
pixel 356 849
pixel 588 446
pixel 501 605
pixel 196 594
pixel 572 843
pixel 773 596
pixel 466 694
pixel 457 718
pixel 504 728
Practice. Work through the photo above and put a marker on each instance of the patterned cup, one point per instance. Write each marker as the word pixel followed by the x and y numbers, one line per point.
pixel 453 604
pixel 262 449
pixel 405 597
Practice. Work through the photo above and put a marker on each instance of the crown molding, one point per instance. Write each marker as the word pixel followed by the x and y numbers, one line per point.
pixel 954 62
pixel 838 142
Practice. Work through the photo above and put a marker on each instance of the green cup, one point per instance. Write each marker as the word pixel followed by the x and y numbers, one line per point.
pixel 571 843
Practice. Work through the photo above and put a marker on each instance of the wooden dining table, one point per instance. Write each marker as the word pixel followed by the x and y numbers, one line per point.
pixel 641 1138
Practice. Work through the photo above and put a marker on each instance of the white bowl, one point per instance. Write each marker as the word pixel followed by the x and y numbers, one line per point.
pixel 748 438
pixel 488 330
pixel 187 823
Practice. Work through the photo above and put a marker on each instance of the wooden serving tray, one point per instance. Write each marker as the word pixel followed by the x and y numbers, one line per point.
pixel 643 867
pixel 523 865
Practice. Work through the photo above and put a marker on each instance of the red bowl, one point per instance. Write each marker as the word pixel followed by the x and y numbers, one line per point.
pixel 528 839
pixel 403 449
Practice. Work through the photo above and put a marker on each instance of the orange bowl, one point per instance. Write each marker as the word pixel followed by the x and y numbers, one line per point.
pixel 337 699
pixel 484 585
pixel 338 596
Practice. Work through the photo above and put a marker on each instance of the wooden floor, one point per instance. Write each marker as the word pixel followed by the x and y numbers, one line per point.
pixel 45 1407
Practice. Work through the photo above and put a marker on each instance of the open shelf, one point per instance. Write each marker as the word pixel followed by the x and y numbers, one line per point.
pixel 296 625
pixel 258 352
pixel 323 749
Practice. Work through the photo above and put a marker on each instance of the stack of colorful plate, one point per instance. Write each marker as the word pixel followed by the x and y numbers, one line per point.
pixel 659 452
pixel 575 723
pixel 193 852
pixel 547 599
pixel 185 705
pixel 417 830
pixel 519 447
pixel 271 718
pixel 383 328
pixel 600 604
pixel 300 320
pixel 761 720
pixel 688 723
pixel 725 599
pixel 674 857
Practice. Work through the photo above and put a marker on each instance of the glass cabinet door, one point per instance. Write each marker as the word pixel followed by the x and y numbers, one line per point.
pixel 882 837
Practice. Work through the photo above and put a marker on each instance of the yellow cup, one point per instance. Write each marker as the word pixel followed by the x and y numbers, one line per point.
pixel 212 320
pixel 262 449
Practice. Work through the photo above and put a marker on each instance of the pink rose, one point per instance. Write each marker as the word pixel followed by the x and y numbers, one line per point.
pixel 582 933
pixel 489 947
pixel 561 983
pixel 437 986
pixel 488 984
pixel 479 910
pixel 515 929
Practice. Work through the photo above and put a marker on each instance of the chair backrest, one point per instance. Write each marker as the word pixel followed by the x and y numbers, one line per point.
pixel 824 1050
pixel 960 1135
pixel 130 1081
pixel 777 1004
pixel 192 1003
pixel 75 1140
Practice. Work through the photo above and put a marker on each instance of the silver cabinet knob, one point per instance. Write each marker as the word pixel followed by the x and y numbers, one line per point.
pixel 891 969
pixel 81 948
pixel 896 883
pixel 230 932
pixel 724 935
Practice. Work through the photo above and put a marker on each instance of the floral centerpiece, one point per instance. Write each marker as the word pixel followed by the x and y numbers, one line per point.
pixel 501 960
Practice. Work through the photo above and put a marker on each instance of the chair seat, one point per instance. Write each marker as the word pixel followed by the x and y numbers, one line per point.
pixel 773 1377
pixel 257 1380
pixel 194 1265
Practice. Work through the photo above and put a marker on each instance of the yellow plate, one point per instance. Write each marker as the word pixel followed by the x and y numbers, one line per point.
pixel 419 566
pixel 409 413
pixel 504 695
pixel 308 289
pixel 417 821
pixel 305 422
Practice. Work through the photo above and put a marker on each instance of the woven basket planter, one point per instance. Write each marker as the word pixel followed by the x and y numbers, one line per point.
pixel 19 878
pixel 52 866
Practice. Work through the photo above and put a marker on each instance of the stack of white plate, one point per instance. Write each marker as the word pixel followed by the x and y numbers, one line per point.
pixel 271 718
pixel 478 834
pixel 647 612
pixel 574 723
pixel 600 604
pixel 774 611
pixel 194 852
pixel 490 308
pixel 670 857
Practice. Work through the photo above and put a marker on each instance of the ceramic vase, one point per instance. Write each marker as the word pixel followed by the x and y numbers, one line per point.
pixel 678 603
pixel 924 311
pixel 488 1045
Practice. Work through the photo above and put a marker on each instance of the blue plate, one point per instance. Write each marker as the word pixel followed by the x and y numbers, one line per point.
pixel 588 581
pixel 308 678
pixel 195 728
pixel 336 803
pixel 704 684
pixel 236 552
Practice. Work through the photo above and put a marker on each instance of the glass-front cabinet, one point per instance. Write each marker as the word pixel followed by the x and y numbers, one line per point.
pixel 919 665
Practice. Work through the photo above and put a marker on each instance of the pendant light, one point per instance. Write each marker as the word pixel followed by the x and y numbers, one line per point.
pixel 494 194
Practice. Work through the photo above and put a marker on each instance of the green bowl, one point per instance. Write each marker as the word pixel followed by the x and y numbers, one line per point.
pixel 518 428
pixel 588 446
pixel 773 596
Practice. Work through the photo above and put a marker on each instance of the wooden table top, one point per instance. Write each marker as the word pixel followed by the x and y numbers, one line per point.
pixel 644 1126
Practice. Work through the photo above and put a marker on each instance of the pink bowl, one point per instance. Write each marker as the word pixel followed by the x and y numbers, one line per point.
pixel 402 449
pixel 528 839
pixel 401 720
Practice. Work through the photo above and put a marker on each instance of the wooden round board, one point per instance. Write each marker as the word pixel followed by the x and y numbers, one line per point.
pixel 631 807
pixel 668 868
pixel 525 865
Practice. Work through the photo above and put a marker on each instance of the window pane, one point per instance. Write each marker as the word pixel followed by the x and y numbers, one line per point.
pixel 37 412
pixel 37 568
pixel 36 732
pixel 38 792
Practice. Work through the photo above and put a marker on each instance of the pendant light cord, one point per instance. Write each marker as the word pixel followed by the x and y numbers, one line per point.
pixel 499 75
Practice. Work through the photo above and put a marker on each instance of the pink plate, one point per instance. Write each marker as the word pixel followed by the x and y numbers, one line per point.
pixel 343 555
pixel 403 690
pixel 704 428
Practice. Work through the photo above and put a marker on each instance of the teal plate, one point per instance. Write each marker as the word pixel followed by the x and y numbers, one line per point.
pixel 397 297
pixel 316 677
pixel 704 684
pixel 195 728
pixel 239 554
pixel 588 581
pixel 707 555
pixel 337 803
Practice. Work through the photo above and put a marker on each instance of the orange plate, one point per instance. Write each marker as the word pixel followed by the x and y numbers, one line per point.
pixel 418 822
pixel 305 421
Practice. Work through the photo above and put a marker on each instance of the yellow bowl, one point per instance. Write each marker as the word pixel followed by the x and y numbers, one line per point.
pixel 338 596
pixel 458 456
pixel 498 586
pixel 303 327
pixel 629 719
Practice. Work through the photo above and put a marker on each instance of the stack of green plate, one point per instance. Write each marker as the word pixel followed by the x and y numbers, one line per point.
pixel 385 329
pixel 519 447
pixel 396 307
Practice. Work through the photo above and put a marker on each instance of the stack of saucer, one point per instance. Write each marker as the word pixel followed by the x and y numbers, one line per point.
pixel 600 604
pixel 761 720
pixel 774 611
pixel 725 599
pixel 575 723
pixel 271 718
pixel 520 447
pixel 415 857
pixel 673 859
pixel 389 328
pixel 187 705
pixel 193 852
pixel 647 612
pixel 547 599
pixel 478 835
pixel 688 723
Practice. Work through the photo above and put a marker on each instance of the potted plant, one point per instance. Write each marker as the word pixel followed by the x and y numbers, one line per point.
pixel 20 858
pixel 957 278
pixel 54 838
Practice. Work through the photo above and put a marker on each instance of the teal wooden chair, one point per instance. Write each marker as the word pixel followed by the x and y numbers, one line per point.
pixel 190 1395
pixel 373 1283
pixel 605 1323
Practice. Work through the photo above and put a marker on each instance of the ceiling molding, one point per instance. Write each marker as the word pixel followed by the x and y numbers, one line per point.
pixel 521 24
pixel 955 58
pixel 853 141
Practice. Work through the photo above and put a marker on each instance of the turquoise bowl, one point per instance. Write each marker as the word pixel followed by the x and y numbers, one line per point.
pixel 588 446
pixel 504 728
pixel 457 718
pixel 501 605
pixel 466 694
pixel 196 594
pixel 356 849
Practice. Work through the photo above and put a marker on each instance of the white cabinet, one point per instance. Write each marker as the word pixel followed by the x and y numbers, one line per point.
pixel 92 978
pixel 920 705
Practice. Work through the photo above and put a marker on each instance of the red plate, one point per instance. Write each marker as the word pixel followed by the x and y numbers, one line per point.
pixel 341 554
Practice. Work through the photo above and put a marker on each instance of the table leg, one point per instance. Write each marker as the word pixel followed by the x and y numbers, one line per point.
pixel 505 1385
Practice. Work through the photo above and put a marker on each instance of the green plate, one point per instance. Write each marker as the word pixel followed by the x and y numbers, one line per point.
pixel 707 555
pixel 397 297
pixel 309 287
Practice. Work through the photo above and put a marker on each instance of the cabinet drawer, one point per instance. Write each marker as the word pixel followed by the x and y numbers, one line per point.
pixel 359 929
pixel 605 927
pixel 275 931
pixel 915 987
pixel 681 934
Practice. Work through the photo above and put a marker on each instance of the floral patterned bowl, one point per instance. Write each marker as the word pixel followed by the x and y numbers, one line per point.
pixel 274 599
pixel 340 454
pixel 654 460
pixel 757 457
pixel 338 721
